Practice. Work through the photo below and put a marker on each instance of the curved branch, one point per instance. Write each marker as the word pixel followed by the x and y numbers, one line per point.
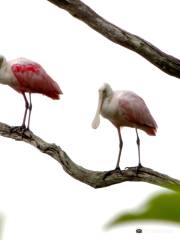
pixel 163 61
pixel 93 178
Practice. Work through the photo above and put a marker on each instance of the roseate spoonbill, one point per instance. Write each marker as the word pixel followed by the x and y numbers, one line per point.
pixel 24 75
pixel 124 109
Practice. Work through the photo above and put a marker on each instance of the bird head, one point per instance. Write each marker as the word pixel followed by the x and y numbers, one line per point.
pixel 105 91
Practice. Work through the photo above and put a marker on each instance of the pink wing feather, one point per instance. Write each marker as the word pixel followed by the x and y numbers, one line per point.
pixel 135 111
pixel 31 77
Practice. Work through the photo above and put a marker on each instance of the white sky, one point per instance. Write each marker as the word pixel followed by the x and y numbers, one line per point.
pixel 38 199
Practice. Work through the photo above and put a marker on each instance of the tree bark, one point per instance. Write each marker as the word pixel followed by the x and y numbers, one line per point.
pixel 94 179
pixel 163 61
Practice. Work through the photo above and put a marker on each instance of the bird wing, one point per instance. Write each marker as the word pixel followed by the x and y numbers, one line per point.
pixel 135 111
pixel 31 77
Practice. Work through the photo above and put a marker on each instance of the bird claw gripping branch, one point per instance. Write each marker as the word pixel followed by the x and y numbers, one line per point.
pixel 21 130
pixel 114 171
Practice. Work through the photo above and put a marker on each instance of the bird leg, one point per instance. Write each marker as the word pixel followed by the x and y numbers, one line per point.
pixel 30 109
pixel 139 163
pixel 23 127
pixel 117 169
pixel 26 108
pixel 138 144
pixel 120 149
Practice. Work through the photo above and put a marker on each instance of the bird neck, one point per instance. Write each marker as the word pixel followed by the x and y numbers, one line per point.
pixel 6 75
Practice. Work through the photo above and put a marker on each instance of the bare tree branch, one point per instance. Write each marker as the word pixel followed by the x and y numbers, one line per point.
pixel 93 178
pixel 163 61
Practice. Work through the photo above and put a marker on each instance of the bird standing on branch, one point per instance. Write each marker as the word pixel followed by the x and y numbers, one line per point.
pixel 24 75
pixel 124 109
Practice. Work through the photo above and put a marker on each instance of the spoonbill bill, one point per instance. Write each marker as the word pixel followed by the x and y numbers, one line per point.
pixel 124 109
pixel 24 75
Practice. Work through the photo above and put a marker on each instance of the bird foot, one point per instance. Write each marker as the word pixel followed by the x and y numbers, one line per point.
pixel 136 168
pixel 114 171
pixel 18 129
pixel 22 130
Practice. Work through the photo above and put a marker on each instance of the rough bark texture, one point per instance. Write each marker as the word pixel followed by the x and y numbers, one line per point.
pixel 93 178
pixel 163 61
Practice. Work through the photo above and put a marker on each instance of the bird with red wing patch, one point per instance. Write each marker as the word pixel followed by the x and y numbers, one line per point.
pixel 24 75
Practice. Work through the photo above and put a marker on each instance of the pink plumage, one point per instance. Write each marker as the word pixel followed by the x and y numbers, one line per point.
pixel 135 112
pixel 24 75
pixel 31 77
pixel 124 109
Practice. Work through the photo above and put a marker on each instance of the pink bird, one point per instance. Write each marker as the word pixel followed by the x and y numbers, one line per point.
pixel 24 75
pixel 124 109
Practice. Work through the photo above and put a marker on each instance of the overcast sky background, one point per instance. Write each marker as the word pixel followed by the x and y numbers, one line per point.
pixel 39 200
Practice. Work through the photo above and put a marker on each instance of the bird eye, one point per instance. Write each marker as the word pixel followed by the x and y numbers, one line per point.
pixel 104 91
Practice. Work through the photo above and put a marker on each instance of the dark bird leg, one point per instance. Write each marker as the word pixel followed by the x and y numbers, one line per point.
pixel 25 113
pixel 30 109
pixel 117 169
pixel 23 128
pixel 138 145
pixel 120 149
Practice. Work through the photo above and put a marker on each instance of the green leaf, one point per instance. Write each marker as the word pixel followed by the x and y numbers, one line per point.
pixel 161 207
